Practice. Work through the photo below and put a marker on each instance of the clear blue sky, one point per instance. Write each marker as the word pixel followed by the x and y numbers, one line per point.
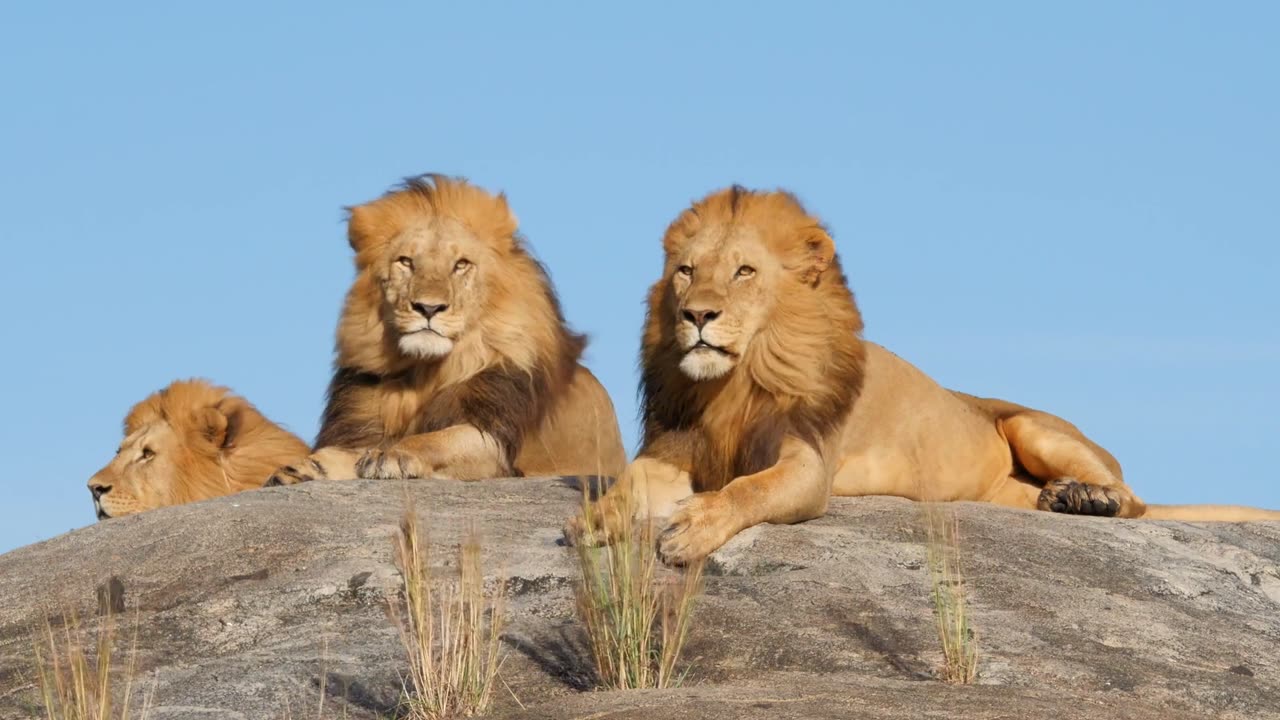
pixel 1076 207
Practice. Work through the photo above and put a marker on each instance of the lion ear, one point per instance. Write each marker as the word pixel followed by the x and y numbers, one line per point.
pixel 221 425
pixel 362 227
pixel 211 425
pixel 234 410
pixel 510 223
pixel 504 224
pixel 680 230
pixel 819 251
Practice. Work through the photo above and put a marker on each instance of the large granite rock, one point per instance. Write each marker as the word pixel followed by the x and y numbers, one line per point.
pixel 247 602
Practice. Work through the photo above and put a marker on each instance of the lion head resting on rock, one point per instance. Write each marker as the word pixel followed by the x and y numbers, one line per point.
pixel 190 441
pixel 453 357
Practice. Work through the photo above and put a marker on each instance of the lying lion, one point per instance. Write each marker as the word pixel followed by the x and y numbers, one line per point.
pixel 761 400
pixel 453 357
pixel 190 441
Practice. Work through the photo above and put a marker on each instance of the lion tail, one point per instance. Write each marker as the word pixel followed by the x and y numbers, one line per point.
pixel 1208 513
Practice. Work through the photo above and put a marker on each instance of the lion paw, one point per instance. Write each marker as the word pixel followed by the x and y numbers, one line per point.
pixel 301 472
pixel 1068 495
pixel 598 527
pixel 390 464
pixel 577 531
pixel 698 528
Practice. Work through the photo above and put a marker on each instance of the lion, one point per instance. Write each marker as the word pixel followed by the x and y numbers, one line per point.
pixel 761 400
pixel 454 360
pixel 190 441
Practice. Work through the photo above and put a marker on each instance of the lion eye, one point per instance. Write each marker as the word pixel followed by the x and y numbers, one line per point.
pixel 461 265
pixel 148 453
pixel 406 261
pixel 745 271
pixel 685 270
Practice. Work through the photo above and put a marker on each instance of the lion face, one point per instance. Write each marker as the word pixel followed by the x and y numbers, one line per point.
pixel 747 284
pixel 724 280
pixel 432 278
pixel 141 475
pixel 435 261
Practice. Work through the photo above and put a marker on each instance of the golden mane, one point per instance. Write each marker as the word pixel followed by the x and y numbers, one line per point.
pixel 503 375
pixel 801 373
pixel 223 443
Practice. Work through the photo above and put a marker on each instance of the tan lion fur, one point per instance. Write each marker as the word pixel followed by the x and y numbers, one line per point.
pixel 190 441
pixel 453 356
pixel 761 400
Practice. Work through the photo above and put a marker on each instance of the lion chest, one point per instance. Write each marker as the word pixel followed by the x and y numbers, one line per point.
pixel 400 407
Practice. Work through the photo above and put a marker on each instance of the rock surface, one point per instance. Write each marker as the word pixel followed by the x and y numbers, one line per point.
pixel 247 604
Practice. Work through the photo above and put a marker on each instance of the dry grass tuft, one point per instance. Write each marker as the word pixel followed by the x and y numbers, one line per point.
pixel 453 653
pixel 636 622
pixel 950 595
pixel 78 684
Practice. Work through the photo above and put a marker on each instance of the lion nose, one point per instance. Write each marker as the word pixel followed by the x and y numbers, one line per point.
pixel 429 311
pixel 700 318
pixel 98 489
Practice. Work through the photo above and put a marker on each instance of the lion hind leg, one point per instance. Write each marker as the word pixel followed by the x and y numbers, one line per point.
pixel 1078 479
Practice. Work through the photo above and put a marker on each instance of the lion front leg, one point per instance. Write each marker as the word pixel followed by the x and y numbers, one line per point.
pixel 648 488
pixel 795 489
pixel 330 463
pixel 461 452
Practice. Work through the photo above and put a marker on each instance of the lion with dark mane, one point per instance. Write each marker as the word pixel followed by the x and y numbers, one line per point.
pixel 761 400
pixel 453 356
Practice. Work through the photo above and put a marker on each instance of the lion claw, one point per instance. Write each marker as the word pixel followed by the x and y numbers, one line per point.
pixel 390 464
pixel 287 475
pixel 292 474
pixel 667 548
pixel 602 528
pixel 698 528
pixel 573 531
pixel 1070 496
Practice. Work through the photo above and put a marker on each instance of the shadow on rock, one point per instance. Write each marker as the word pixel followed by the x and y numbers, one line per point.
pixel 382 699
pixel 904 661
pixel 563 655
pixel 596 485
